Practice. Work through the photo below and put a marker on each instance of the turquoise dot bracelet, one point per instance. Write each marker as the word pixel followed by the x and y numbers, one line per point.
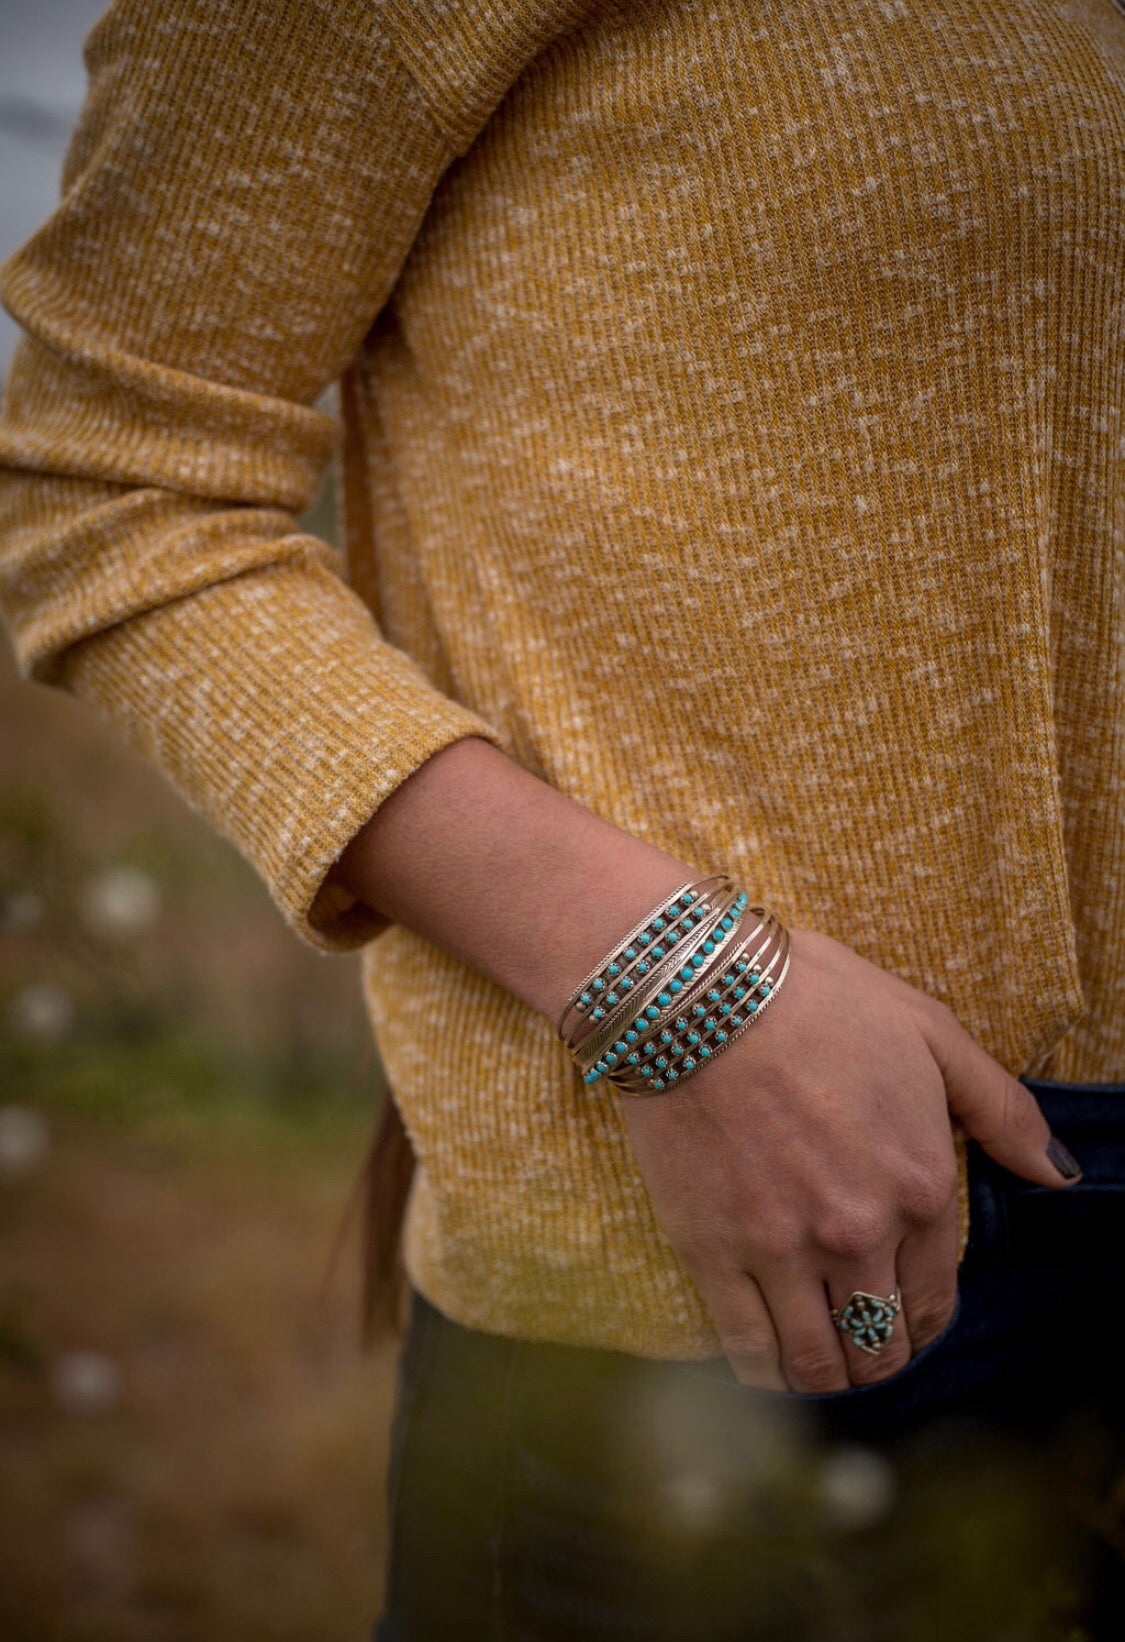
pixel 679 964
pixel 710 1025
pixel 695 986
pixel 634 955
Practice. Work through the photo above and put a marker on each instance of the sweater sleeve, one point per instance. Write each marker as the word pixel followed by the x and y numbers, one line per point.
pixel 237 198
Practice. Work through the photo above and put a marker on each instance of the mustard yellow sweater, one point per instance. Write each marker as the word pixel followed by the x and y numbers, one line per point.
pixel 730 423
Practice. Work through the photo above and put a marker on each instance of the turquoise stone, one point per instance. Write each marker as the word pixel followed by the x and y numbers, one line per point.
pixel 614 969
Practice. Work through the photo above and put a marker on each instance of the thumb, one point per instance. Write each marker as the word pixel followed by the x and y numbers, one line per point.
pixel 1000 1113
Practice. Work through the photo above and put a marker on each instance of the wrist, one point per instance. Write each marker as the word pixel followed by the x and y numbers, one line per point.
pixel 505 872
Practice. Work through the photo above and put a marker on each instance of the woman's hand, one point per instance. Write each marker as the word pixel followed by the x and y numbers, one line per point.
pixel 815 1157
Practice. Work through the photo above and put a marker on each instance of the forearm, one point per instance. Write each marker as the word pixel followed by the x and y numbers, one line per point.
pixel 504 872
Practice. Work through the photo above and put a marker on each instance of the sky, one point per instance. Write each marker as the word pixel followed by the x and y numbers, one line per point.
pixel 42 84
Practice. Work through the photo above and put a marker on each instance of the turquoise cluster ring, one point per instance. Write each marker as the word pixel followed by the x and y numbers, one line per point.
pixel 868 1320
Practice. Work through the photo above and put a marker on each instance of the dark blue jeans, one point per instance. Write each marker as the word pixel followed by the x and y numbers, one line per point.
pixel 543 1493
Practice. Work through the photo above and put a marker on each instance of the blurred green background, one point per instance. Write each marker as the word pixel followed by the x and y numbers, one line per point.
pixel 192 1442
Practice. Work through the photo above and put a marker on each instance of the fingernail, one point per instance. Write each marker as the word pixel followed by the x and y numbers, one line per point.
pixel 1068 1166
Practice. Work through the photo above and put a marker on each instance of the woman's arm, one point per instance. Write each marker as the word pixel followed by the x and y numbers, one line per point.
pixel 239 194
pixel 813 1158
pixel 518 880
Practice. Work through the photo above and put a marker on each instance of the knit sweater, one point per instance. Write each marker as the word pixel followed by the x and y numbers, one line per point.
pixel 730 431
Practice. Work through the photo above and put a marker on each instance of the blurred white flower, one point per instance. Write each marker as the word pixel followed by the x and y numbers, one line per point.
pixel 85 1382
pixel 21 910
pixel 857 1486
pixel 119 901
pixel 25 1139
pixel 42 1011
pixel 694 1500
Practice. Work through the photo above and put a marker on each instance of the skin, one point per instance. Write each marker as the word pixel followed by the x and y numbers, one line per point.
pixel 813 1157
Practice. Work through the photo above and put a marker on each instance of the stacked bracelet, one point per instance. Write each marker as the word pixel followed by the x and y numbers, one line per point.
pixel 678 958
pixel 677 990
pixel 635 955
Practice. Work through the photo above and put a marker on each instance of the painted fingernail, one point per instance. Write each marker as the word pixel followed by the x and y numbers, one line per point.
pixel 1068 1166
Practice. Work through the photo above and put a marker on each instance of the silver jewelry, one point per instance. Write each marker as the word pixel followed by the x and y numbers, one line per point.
pixel 868 1320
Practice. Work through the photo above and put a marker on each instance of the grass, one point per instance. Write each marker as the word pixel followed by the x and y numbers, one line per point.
pixel 232 1488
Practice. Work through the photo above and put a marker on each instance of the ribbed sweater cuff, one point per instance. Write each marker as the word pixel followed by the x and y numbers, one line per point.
pixel 272 704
